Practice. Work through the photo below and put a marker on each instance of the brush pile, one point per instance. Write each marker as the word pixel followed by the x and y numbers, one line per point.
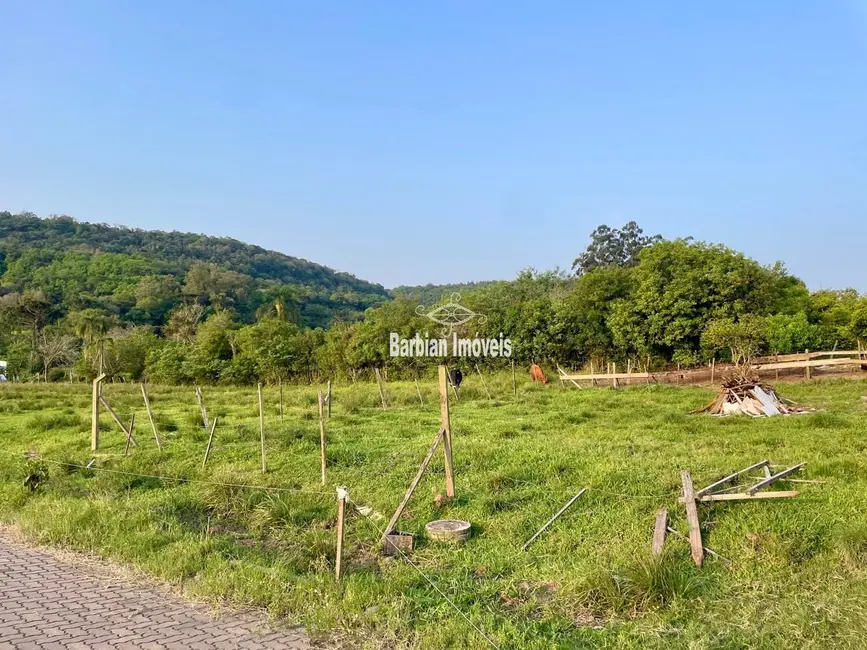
pixel 746 395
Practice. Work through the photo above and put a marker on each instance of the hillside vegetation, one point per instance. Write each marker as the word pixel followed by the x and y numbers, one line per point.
pixel 139 276
pixel 79 299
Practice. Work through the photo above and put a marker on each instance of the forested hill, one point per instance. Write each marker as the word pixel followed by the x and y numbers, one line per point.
pixel 431 294
pixel 140 275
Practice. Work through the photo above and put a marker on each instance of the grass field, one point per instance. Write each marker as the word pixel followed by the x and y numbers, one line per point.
pixel 798 572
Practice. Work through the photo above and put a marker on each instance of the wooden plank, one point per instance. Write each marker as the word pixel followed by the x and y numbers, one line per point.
pixel 773 479
pixel 607 376
pixel 446 426
pixel 202 408
pixel 147 404
pixel 322 435
pixel 262 427
pixel 800 356
pixel 813 363
pixel 746 497
pixel 731 477
pixel 114 416
pixel 94 413
pixel 706 549
pixel 692 518
pixel 564 377
pixel 210 442
pixel 553 519
pixel 660 528
pixel 412 486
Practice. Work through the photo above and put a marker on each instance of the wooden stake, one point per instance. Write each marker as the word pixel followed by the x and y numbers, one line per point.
pixel 281 401
pixel 328 398
pixel 483 381
pixel 147 404
pixel 202 408
pixel 692 518
pixel 418 390
pixel 322 435
pixel 592 381
pixel 262 428
pixel 514 381
pixel 614 367
pixel 730 477
pixel 660 528
pixel 114 417
pixel 553 519
pixel 807 368
pixel 210 442
pixel 381 390
pixel 446 425
pixel 412 486
pixel 712 369
pixel 747 497
pixel 706 549
pixel 341 509
pixel 94 413
pixel 129 437
pixel 773 479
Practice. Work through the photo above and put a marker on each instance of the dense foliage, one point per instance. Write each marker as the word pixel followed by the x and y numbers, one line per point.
pixel 70 309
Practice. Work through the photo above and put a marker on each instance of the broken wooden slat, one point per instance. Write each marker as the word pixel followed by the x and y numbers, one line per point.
pixel 731 477
pixel 773 479
pixel 692 518
pixel 745 497
pixel 553 519
pixel 412 486
pixel 659 530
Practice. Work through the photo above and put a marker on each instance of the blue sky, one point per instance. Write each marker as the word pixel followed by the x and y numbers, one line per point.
pixel 414 142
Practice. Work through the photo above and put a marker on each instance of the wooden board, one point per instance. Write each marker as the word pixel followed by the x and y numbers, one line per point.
pixel 412 486
pixel 692 518
pixel 746 497
pixel 607 376
pixel 773 479
pixel 660 528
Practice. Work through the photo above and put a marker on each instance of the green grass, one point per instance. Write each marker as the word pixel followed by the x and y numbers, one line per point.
pixel 798 573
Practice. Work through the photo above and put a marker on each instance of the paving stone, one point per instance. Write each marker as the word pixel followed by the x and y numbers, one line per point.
pixel 52 604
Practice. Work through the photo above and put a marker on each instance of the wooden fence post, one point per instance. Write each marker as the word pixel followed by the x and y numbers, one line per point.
pixel 614 374
pixel 147 403
pixel 514 381
pixel 210 442
pixel 94 413
pixel 807 368
pixel 381 390
pixel 692 518
pixel 281 401
pixel 129 437
pixel 483 381
pixel 328 398
pixel 262 428
pixel 202 408
pixel 322 435
pixel 341 509
pixel 446 426
pixel 712 369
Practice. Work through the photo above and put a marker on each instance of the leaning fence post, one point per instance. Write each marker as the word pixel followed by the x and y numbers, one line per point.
pixel 321 436
pixel 262 427
pixel 328 398
pixel 341 509
pixel 210 442
pixel 147 403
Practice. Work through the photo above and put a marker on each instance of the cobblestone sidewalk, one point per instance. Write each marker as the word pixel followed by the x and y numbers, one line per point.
pixel 50 603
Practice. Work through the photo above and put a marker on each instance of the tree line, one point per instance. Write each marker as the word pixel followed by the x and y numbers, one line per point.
pixel 628 298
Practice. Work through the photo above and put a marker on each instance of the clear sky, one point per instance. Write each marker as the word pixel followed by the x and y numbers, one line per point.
pixel 444 141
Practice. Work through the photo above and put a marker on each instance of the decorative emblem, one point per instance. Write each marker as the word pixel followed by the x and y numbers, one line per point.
pixel 451 314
